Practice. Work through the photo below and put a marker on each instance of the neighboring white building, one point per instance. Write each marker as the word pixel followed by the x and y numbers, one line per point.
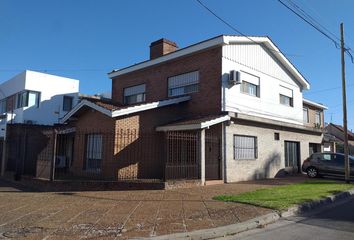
pixel 36 98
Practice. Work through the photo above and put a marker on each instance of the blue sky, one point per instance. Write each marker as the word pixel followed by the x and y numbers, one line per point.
pixel 85 39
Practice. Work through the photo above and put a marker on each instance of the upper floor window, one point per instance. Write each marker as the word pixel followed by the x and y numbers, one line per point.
pixel 318 119
pixel 3 106
pixel 28 99
pixel 67 103
pixel 286 96
pixel 134 94
pixel 183 84
pixel 250 84
pixel 306 114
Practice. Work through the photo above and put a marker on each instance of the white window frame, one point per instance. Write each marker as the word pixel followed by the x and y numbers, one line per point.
pixel 137 95
pixel 182 84
pixel 319 115
pixel 243 156
pixel 306 109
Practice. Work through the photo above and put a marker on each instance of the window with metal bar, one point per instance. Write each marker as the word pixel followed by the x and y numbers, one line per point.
pixel 245 147
pixel 93 152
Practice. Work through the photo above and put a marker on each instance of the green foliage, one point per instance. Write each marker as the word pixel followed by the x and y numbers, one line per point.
pixel 283 197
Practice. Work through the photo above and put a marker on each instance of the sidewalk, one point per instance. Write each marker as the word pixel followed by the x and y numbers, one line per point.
pixel 123 214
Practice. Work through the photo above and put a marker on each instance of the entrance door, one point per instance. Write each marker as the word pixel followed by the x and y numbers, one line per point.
pixel 292 155
pixel 212 158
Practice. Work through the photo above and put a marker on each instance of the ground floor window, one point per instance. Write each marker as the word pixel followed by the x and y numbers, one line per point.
pixel 245 147
pixel 93 152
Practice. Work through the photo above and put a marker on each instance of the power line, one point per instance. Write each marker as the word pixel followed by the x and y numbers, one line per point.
pixel 236 30
pixel 328 89
pixel 336 44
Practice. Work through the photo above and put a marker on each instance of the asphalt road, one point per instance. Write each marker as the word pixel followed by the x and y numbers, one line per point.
pixel 329 223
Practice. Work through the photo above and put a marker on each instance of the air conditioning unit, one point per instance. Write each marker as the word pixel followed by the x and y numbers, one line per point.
pixel 234 78
pixel 60 162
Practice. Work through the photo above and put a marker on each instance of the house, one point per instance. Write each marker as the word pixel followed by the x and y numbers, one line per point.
pixel 36 98
pixel 229 108
pixel 336 132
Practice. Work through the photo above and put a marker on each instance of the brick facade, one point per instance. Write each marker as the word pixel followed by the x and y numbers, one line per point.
pixel 128 142
pixel 206 101
pixel 312 115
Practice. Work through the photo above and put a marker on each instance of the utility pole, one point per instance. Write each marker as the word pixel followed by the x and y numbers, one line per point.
pixel 344 95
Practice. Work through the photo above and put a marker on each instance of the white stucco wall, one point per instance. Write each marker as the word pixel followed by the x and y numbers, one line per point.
pixel 52 90
pixel 255 60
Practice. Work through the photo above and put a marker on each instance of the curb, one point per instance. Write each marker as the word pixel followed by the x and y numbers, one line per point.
pixel 224 230
pixel 257 222
pixel 309 206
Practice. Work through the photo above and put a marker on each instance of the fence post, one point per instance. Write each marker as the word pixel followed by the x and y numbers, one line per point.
pixel 202 156
pixel 52 169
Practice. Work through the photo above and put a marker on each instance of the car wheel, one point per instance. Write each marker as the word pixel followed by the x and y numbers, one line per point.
pixel 312 172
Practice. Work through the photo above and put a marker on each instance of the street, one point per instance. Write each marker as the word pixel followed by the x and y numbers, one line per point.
pixel 329 223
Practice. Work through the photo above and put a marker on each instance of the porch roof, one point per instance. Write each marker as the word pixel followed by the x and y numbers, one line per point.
pixel 194 123
pixel 113 110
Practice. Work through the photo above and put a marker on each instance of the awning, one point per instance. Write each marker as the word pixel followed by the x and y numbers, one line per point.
pixel 194 124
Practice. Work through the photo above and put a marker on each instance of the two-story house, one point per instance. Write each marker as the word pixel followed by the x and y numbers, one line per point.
pixel 36 98
pixel 231 108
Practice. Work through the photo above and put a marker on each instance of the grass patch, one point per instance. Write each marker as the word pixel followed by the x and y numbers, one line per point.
pixel 283 197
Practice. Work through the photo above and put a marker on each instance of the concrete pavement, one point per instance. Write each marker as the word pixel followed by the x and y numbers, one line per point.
pixel 331 222
pixel 123 214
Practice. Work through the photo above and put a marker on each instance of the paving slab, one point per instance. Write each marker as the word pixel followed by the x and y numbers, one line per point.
pixel 123 214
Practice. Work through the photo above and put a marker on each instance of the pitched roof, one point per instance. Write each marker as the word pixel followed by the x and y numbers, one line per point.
pixel 115 110
pixel 350 134
pixel 194 123
pixel 213 42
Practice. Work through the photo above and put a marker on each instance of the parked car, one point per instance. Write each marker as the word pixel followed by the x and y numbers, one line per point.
pixel 331 164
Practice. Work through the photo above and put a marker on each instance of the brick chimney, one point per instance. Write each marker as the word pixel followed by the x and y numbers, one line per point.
pixel 161 47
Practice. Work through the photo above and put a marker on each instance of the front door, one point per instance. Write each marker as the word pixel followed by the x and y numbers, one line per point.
pixel 212 158
pixel 292 155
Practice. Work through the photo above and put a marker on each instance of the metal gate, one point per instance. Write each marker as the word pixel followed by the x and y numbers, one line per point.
pixel 212 157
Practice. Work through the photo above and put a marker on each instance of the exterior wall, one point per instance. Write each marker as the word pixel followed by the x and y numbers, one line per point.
pixel 312 116
pixel 205 101
pixel 131 147
pixel 93 122
pixel 271 153
pixel 52 89
pixel 255 60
